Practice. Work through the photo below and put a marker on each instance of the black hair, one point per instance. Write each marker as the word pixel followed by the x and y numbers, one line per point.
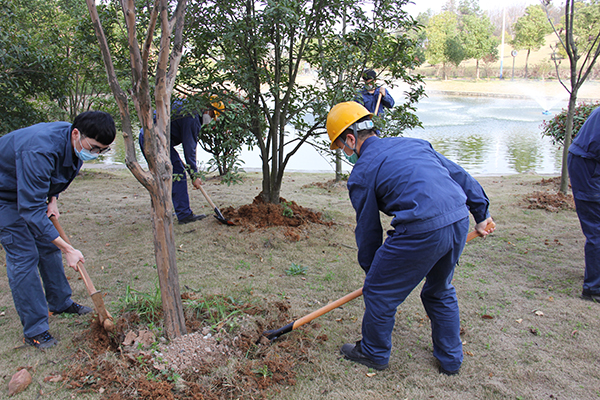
pixel 362 134
pixel 97 125
pixel 369 74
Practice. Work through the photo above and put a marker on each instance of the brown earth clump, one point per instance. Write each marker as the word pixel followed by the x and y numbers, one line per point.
pixel 260 214
pixel 213 362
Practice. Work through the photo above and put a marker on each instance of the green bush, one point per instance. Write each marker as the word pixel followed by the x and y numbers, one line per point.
pixel 556 127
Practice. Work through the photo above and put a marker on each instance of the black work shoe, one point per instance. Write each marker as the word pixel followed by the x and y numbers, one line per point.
pixel 353 352
pixel 42 341
pixel 589 296
pixel 444 371
pixel 76 309
pixel 191 218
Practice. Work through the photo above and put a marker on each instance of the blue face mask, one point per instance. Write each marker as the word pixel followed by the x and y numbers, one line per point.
pixel 85 154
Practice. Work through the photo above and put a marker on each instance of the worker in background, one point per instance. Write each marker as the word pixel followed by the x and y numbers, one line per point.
pixel 429 198
pixel 372 95
pixel 184 130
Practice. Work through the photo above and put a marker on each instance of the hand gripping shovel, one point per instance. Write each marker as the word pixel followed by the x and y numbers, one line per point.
pixel 218 214
pixel 106 320
pixel 274 334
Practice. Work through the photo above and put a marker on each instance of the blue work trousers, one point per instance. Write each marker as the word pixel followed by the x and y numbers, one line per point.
pixel 179 195
pixel 179 192
pixel 400 264
pixel 585 181
pixel 28 259
pixel 589 218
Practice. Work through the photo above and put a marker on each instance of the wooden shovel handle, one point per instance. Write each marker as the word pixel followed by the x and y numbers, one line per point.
pixel 84 275
pixel 376 111
pixel 475 234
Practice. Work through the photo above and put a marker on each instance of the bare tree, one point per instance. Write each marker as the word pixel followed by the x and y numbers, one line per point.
pixel 577 40
pixel 157 180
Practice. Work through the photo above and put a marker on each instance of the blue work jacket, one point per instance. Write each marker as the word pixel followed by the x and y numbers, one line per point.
pixel 369 100
pixel 407 179
pixel 36 163
pixel 585 176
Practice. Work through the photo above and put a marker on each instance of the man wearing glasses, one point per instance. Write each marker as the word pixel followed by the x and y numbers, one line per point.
pixel 36 164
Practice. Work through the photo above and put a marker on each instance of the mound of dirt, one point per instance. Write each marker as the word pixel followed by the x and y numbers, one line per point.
pixel 551 200
pixel 260 214
pixel 230 360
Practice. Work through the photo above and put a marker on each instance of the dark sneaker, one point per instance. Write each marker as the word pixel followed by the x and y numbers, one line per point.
pixel 42 341
pixel 444 371
pixel 589 296
pixel 76 309
pixel 192 218
pixel 353 352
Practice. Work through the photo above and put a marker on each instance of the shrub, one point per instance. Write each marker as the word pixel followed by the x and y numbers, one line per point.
pixel 556 127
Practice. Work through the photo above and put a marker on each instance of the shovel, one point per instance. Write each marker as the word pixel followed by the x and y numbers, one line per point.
pixel 275 333
pixel 218 214
pixel 106 320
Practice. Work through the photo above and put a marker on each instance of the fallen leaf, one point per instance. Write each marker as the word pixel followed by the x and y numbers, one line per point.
pixel 486 316
pixel 53 378
pixel 371 374
pixel 518 321
pixel 469 353
pixel 491 374
pixel 538 313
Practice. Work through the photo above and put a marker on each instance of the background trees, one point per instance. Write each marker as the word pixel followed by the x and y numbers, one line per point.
pixel 530 31
pixel 51 65
pixel 251 53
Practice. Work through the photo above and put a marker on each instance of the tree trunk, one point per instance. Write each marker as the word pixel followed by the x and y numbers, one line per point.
pixel 564 176
pixel 164 241
pixel 158 180
pixel 477 70
pixel 338 165
pixel 526 63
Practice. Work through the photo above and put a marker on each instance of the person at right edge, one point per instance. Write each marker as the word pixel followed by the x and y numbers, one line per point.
pixel 583 163
pixel 429 198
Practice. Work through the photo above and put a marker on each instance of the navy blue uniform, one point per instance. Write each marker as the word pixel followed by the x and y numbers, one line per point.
pixel 184 131
pixel 36 163
pixel 429 198
pixel 584 172
pixel 369 100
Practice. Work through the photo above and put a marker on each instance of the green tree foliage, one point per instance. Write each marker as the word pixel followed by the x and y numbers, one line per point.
pixel 530 31
pixel 52 66
pixel 252 53
pixel 224 138
pixel 444 45
pixel 478 39
pixel 556 127
pixel 27 75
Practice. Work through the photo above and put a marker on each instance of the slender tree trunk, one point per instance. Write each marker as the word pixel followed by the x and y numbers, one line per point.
pixel 158 179
pixel 564 176
pixel 477 70
pixel 526 63
pixel 338 165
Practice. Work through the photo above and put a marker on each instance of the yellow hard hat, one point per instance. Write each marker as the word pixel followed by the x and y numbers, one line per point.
pixel 341 116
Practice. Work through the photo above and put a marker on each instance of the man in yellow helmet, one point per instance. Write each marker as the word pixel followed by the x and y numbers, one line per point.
pixel 429 198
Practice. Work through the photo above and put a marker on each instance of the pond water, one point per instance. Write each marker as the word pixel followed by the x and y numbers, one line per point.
pixel 485 135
